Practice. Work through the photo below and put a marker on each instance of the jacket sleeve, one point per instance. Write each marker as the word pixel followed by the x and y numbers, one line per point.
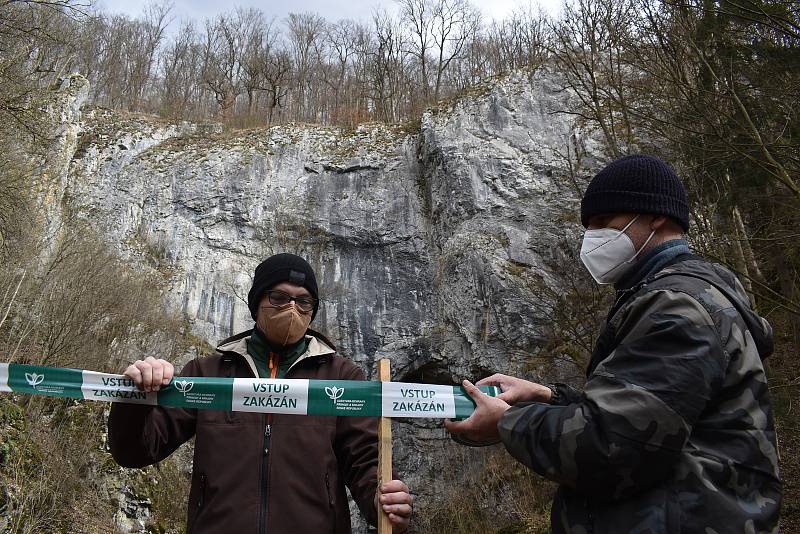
pixel 566 394
pixel 357 454
pixel 638 407
pixel 141 435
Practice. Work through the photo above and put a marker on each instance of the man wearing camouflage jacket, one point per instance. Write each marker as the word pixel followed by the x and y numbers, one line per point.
pixel 673 430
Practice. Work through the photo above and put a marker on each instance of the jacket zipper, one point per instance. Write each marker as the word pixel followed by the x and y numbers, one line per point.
pixel 264 483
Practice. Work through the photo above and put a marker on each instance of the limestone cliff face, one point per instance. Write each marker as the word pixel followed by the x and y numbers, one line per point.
pixel 417 235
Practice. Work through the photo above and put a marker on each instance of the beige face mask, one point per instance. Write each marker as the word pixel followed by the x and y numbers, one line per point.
pixel 283 325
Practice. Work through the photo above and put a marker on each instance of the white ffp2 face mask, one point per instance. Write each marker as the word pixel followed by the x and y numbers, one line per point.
pixel 609 253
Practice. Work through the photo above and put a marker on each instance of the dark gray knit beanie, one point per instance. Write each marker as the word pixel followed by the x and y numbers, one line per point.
pixel 636 184
pixel 281 268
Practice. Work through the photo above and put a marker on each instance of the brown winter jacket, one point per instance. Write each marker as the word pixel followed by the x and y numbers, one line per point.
pixel 288 477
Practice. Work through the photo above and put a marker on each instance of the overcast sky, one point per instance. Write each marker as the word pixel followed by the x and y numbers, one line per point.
pixel 332 10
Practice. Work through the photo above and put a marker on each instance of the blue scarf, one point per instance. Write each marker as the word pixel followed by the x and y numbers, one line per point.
pixel 652 262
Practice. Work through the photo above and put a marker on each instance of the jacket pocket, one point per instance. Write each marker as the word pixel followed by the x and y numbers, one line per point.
pixel 201 499
pixel 331 504
pixel 194 514
pixel 328 490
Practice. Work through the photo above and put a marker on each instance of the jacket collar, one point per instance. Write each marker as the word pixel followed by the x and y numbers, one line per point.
pixel 652 262
pixel 237 344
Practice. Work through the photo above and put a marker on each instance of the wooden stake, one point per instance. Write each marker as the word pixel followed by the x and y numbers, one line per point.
pixel 384 450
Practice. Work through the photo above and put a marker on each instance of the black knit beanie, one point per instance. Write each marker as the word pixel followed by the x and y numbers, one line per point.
pixel 281 268
pixel 636 184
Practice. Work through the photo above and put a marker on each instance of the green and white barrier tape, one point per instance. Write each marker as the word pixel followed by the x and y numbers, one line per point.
pixel 289 396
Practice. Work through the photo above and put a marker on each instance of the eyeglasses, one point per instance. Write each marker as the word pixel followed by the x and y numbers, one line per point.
pixel 280 298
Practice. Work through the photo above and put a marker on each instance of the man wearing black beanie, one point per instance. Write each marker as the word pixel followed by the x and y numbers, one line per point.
pixel 265 473
pixel 673 429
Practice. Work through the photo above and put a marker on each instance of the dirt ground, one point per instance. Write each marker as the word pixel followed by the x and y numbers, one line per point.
pixel 784 382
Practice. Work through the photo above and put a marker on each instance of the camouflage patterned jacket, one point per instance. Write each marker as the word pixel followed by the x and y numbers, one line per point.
pixel 673 431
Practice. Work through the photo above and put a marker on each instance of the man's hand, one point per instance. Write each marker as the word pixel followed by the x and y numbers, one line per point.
pixel 150 374
pixel 481 426
pixel 395 500
pixel 516 389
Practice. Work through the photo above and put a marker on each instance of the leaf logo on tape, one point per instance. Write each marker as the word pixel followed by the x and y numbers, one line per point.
pixel 334 393
pixel 184 386
pixel 340 404
pixel 194 398
pixel 34 379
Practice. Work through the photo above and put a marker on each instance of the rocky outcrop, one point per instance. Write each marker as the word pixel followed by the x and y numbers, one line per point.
pixel 63 115
pixel 418 236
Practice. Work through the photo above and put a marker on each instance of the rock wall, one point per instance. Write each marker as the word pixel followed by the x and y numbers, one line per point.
pixel 418 235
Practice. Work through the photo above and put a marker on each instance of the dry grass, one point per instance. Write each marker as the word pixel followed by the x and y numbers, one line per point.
pixel 56 476
pixel 504 497
pixel 71 302
pixel 167 486
pixel 48 475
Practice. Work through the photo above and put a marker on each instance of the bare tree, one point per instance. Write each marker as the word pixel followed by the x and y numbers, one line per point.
pixel 589 42
pixel 226 41
pixel 342 40
pixel 387 67
pixel 257 51
pixel 36 48
pixel 453 24
pixel 277 73
pixel 709 91
pixel 306 31
pixel 119 55
pixel 150 32
pixel 361 83
pixel 519 41
pixel 442 28
pixel 417 16
pixel 181 64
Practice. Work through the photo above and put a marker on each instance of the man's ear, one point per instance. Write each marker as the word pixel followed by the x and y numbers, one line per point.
pixel 659 222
